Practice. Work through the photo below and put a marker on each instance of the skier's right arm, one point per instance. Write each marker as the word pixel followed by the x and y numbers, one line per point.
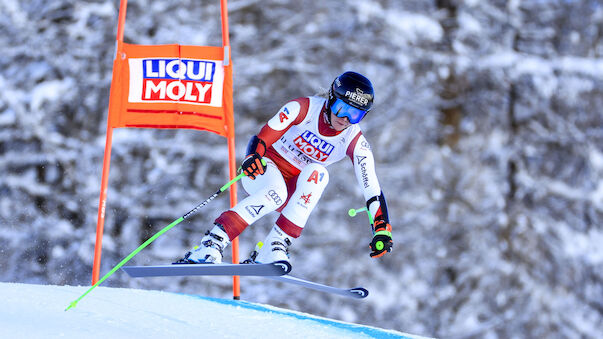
pixel 290 114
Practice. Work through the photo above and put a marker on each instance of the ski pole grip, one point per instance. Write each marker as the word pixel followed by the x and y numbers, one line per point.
pixel 352 212
pixel 237 178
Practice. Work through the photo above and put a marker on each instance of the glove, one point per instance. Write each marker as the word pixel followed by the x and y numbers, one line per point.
pixel 382 239
pixel 253 165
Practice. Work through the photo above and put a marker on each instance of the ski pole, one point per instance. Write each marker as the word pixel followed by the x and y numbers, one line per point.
pixel 157 235
pixel 352 213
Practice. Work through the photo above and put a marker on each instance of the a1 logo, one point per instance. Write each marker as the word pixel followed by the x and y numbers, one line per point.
pixel 316 177
pixel 284 115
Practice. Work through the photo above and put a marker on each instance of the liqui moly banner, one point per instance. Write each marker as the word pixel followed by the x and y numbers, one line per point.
pixel 190 81
pixel 171 86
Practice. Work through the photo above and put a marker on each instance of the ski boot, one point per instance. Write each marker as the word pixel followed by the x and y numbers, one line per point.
pixel 275 247
pixel 210 249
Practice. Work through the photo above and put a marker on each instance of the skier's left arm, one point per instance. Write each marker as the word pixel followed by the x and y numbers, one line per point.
pixel 361 155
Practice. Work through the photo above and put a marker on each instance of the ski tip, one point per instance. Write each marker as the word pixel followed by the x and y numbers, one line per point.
pixel 359 292
pixel 129 271
pixel 284 265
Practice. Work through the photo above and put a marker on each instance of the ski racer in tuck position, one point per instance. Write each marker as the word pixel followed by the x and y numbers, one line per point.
pixel 285 172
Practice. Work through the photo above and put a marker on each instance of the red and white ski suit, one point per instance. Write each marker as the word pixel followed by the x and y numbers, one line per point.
pixel 300 143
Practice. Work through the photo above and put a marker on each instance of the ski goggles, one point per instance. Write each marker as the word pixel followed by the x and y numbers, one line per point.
pixel 343 110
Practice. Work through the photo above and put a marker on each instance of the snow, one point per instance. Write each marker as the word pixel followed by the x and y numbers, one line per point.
pixel 49 91
pixel 413 27
pixel 38 311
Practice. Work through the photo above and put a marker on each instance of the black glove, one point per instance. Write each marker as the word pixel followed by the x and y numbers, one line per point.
pixel 382 239
pixel 253 166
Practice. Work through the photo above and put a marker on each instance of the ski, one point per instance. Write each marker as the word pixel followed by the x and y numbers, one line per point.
pixel 272 269
pixel 356 292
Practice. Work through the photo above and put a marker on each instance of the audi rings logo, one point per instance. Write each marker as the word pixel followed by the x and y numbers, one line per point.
pixel 275 197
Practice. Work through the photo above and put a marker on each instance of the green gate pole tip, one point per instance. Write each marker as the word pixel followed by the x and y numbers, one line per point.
pixel 157 235
pixel 126 259
pixel 72 305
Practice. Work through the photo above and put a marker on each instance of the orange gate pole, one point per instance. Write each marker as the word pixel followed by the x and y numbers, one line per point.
pixel 100 223
pixel 236 287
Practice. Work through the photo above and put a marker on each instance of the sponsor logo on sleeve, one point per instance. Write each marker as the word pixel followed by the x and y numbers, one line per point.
pixel 362 163
pixel 284 115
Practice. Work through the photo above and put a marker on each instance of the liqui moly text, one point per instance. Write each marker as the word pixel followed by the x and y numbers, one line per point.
pixel 313 146
pixel 177 80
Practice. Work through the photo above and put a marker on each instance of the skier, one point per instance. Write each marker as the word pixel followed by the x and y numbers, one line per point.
pixel 285 172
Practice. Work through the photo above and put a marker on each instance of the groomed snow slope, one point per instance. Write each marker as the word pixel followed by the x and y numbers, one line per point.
pixel 38 311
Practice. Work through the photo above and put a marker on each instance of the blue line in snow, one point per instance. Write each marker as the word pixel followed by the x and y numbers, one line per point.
pixel 370 331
